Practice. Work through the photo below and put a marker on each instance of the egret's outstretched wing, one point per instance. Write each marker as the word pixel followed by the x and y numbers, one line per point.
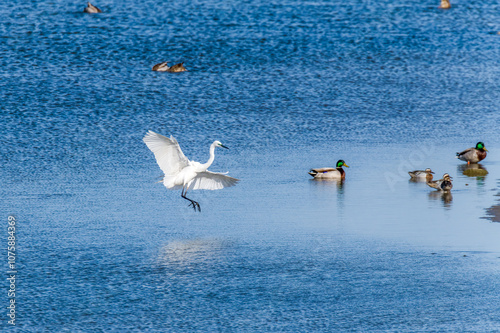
pixel 211 181
pixel 167 152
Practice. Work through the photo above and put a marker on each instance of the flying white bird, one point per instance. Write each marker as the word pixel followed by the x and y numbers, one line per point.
pixel 181 173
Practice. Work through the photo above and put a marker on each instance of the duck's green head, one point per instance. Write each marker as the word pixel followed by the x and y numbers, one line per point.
pixel 341 163
pixel 480 146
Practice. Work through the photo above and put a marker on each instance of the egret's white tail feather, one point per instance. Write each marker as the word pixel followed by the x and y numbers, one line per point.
pixel 169 183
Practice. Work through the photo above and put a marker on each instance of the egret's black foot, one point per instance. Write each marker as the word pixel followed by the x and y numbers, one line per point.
pixel 195 205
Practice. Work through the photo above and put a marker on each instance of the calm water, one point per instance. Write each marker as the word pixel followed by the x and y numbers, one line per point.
pixel 388 87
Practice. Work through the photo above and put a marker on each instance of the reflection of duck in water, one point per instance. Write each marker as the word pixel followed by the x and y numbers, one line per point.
pixel 163 67
pixel 421 175
pixel 472 170
pixel 330 183
pixel 473 155
pixel 330 173
pixel 447 197
pixel 442 184
pixel 91 9
pixel 445 4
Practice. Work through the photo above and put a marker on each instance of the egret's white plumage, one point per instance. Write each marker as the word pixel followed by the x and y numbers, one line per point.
pixel 181 173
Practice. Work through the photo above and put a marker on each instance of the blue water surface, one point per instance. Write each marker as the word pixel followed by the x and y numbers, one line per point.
pixel 287 85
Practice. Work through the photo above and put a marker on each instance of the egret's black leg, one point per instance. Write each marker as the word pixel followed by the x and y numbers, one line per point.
pixel 193 203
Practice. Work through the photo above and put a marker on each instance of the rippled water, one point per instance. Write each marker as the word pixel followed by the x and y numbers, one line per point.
pixel 388 87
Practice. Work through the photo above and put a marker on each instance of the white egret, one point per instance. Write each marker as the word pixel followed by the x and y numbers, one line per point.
pixel 181 173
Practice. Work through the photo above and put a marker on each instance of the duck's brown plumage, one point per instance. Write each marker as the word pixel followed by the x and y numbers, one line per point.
pixel 163 67
pixel 445 4
pixel 91 9
pixel 474 154
pixel 442 184
pixel 177 68
pixel 323 172
pixel 421 174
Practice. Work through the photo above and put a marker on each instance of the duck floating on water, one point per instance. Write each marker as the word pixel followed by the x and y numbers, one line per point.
pixel 421 174
pixel 163 67
pixel 445 4
pixel 444 184
pixel 330 173
pixel 473 155
pixel 91 9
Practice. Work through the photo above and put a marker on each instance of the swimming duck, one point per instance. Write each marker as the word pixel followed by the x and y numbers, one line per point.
pixel 330 173
pixel 442 184
pixel 473 155
pixel 445 4
pixel 421 174
pixel 163 67
pixel 91 9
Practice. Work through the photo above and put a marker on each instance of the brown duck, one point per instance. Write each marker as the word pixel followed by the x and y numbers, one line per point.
pixel 473 155
pixel 91 9
pixel 163 67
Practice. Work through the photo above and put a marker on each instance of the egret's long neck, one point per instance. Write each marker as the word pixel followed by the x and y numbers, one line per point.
pixel 212 157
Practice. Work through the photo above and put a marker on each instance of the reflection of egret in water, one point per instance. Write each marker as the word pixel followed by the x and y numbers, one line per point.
pixel 474 170
pixel 183 252
pixel 447 197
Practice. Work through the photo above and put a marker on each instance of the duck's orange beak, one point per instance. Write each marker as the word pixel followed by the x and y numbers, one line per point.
pixel 346 165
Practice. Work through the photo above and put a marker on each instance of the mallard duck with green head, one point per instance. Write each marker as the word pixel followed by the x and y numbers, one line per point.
pixel 473 154
pixel 421 174
pixel 330 173
pixel 444 184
